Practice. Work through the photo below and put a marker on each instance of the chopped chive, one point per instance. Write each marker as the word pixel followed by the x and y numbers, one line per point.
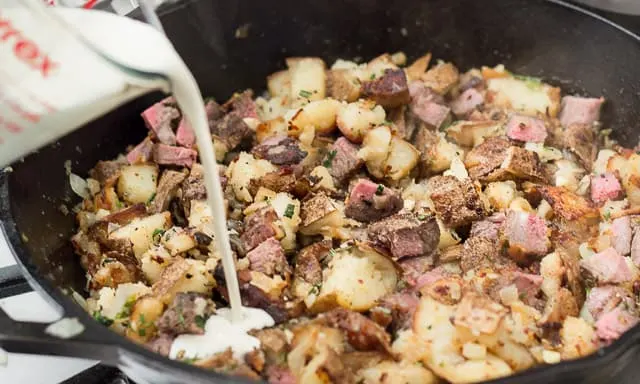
pixel 373 76
pixel 100 318
pixel 380 189
pixel 289 211
pixel 153 196
pixel 157 234
pixel 305 94
pixel 329 160
pixel 200 321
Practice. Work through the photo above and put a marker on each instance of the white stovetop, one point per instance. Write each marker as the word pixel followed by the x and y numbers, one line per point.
pixel 27 369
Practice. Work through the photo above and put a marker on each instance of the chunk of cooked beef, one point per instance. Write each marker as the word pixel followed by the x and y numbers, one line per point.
pixel 89 251
pixel 167 187
pixel 526 128
pixel 268 257
pixel 187 313
pixel 342 160
pixel 406 235
pixel 280 375
pixel 526 237
pixel 142 152
pixel 127 215
pixel 605 187
pixel 579 110
pixel 487 157
pixel 489 227
pixel 282 180
pixel 601 300
pixel 253 296
pixel 107 172
pixel 390 90
pixel 519 164
pixel 193 187
pixel 456 202
pixel 161 344
pixel 128 260
pixel 243 105
pixel 185 136
pixel 369 201
pixel 161 118
pixel 170 155
pixel 362 333
pixel 280 150
pixel 427 105
pixel 621 235
pixel 607 267
pixel 308 267
pixel 613 324
pixel 274 344
pixel 581 139
pixel 231 130
pixel 479 252
pixel 258 227
pixel 414 267
pixel 213 110
pixel 400 306
pixel 467 102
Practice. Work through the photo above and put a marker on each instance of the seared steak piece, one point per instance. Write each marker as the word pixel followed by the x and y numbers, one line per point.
pixel 406 235
pixel 427 105
pixel 169 155
pixel 526 236
pixel 273 342
pixel 268 257
pixel 369 201
pixel 400 308
pixel 467 102
pixel 161 344
pixel 605 187
pixel 613 324
pixel 308 266
pixel 456 202
pixel 390 90
pixel 479 252
pixel 282 180
pixel 107 172
pixel 526 128
pixel 489 227
pixel 485 158
pixel 581 139
pixel 604 299
pixel 187 313
pixel 243 105
pixel 621 235
pixel 280 150
pixel 161 118
pixel 607 267
pixel 142 152
pixel 167 186
pixel 362 333
pixel 579 110
pixel 258 227
pixel 185 136
pixel 231 130
pixel 342 160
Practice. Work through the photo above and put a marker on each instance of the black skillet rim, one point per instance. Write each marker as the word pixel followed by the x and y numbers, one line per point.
pixel 63 302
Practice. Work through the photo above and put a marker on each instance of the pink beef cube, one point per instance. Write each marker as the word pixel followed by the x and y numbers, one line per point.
pixel 579 110
pixel 185 135
pixel 621 235
pixel 170 155
pixel 142 152
pixel 607 267
pixel 427 105
pixel 159 119
pixel 528 284
pixel 467 102
pixel 604 299
pixel 342 159
pixel 605 187
pixel 526 234
pixel 268 257
pixel 526 128
pixel 613 324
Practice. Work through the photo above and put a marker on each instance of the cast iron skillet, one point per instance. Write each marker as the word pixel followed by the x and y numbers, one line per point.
pixel 563 44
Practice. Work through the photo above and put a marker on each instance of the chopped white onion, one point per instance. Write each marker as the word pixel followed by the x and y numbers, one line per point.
pixel 65 328
pixel 79 186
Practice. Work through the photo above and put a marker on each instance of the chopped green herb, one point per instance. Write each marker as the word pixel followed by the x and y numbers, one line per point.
pixel 422 217
pixel 126 308
pixel 102 319
pixel 387 122
pixel 305 94
pixel 380 189
pixel 314 290
pixel 522 295
pixel 119 204
pixel 402 284
pixel 329 160
pixel 157 234
pixel 289 211
pixel 190 360
pixel 607 215
pixel 531 82
pixel 108 260
pixel 142 332
pixel 429 326
pixel 153 196
pixel 332 252
pixel 141 319
pixel 200 321
pixel 373 76
pixel 181 317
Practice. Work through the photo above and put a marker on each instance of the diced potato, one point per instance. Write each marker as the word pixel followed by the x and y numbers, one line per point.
pixel 326 181
pixel 472 133
pixel 308 79
pixel 545 210
pixel 408 346
pixel 315 350
pixel 220 148
pixel 200 217
pixel 629 171
pixel 322 216
pixel 545 154
pixel 183 275
pixel 142 319
pixel 520 204
pixel 356 119
pixel 272 286
pixel 441 78
pixel 138 182
pixel 441 154
pixel 245 168
pixel 403 157
pixel 578 338
pixel 111 302
pixel 568 175
pixel 501 194
pixel 320 115
pixel 524 95
pixel 457 169
pixel 391 372
pixel 279 84
pixel 376 277
pixel 140 231
pixel 377 67
pixel 448 237
pixel 288 210
pixel 273 108
pixel 153 262
pixel 274 127
pixel 418 67
pixel 343 84
pixel 399 58
pixel 600 165
pixel 177 240
pixel 375 149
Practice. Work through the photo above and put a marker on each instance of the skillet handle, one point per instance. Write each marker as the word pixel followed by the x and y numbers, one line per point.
pixel 31 338
pixel 11 282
